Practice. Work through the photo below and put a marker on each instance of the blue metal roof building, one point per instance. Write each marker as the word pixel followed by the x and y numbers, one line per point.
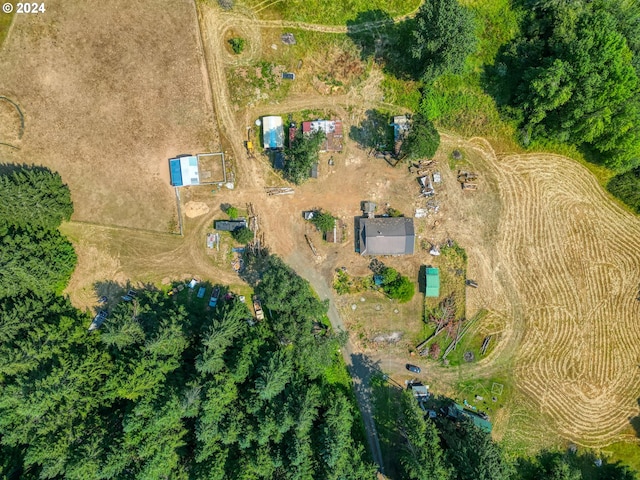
pixel 184 171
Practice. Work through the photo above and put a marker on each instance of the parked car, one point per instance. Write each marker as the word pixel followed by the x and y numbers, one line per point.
pixel 413 368
pixel 288 75
pixel 214 297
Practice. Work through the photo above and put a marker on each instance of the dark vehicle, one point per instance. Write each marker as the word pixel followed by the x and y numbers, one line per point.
pixel 131 294
pixel 413 368
pixel 214 297
pixel 288 75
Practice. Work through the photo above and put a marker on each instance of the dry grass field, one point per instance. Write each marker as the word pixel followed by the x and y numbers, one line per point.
pixel 110 91
pixel 575 261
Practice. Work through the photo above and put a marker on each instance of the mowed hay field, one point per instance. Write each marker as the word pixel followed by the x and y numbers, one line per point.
pixel 109 91
pixel 573 256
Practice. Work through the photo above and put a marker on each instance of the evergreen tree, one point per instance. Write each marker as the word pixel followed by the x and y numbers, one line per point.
pixel 33 199
pixel 444 37
pixel 422 456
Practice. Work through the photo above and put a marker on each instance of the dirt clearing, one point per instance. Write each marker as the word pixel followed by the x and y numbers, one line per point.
pixel 110 91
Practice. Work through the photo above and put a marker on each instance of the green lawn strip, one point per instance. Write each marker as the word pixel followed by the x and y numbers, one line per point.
pixel 5 23
pixel 332 12
pixel 386 407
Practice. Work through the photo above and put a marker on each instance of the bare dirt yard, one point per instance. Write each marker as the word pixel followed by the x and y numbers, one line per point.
pixel 109 91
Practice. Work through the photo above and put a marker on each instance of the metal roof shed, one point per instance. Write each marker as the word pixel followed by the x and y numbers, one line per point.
pixel 272 132
pixel 432 282
pixel 230 225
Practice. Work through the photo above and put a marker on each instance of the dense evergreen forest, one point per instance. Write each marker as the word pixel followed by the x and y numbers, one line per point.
pixel 166 388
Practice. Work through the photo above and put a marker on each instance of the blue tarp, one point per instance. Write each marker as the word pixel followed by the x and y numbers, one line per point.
pixel 273 138
pixel 176 172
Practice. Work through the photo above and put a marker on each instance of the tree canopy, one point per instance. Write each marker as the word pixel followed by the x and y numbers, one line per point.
pixel 422 140
pixel 626 186
pixel 33 198
pixel 324 221
pixel 570 77
pixel 300 156
pixel 34 257
pixel 443 37
pixel 243 235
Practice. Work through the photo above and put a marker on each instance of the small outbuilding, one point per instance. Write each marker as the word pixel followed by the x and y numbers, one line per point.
pixel 368 209
pixel 419 391
pixel 231 225
pixel 432 282
pixel 184 171
pixel 401 126
pixel 272 132
pixel 457 412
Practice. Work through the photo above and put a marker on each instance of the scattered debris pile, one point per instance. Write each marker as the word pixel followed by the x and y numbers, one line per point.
pixel 279 191
pixel 467 180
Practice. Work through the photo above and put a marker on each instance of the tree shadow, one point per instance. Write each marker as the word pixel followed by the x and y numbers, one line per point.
pixel 112 292
pixel 385 42
pixel 9 168
pixel 374 132
pixel 254 265
pixel 635 421
pixel 422 279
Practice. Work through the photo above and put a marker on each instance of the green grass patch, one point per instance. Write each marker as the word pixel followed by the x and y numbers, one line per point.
pixel 624 452
pixel 333 12
pixel 472 341
pixel 5 23
pixel 328 61
pixel 499 387
pixel 458 103
pixel 497 25
pixel 403 93
pixel 337 373
pixel 261 81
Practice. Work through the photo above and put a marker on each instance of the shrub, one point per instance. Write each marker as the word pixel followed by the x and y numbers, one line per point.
pixel 626 186
pixel 232 212
pixel 237 45
pixel 325 222
pixel 392 212
pixel 342 284
pixel 397 286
